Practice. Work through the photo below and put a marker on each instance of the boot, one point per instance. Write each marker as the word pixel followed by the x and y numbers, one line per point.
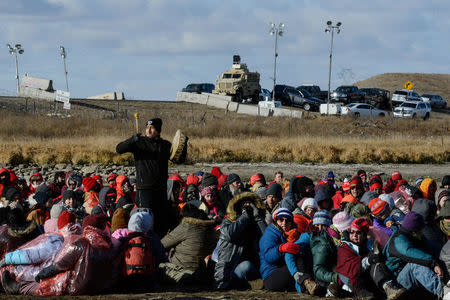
pixel 257 284
pixel 12 287
pixel 333 290
pixel 365 294
pixel 393 290
pixel 311 286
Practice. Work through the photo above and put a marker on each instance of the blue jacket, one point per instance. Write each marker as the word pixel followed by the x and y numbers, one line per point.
pixel 403 248
pixel 47 245
pixel 305 251
pixel 269 255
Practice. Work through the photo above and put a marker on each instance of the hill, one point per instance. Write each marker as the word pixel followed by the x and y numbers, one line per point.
pixel 423 83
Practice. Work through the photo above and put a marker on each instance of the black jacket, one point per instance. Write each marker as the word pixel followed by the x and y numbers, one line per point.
pixel 151 158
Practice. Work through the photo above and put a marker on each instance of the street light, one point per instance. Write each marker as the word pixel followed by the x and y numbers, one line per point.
pixel 331 28
pixel 13 51
pixel 277 31
pixel 63 55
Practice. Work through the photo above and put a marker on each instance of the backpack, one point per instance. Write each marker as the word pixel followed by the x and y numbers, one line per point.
pixel 139 258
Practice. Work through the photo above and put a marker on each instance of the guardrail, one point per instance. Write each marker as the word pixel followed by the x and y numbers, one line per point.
pixel 224 102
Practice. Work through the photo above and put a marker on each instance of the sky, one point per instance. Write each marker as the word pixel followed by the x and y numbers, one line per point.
pixel 151 49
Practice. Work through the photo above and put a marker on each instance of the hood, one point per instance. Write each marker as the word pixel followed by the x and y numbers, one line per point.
pixel 216 172
pixel 2 171
pixel 426 208
pixel 425 187
pixel 177 177
pixel 22 231
pixel 102 195
pixel 97 238
pixel 234 208
pixel 198 222
pixel 298 185
pixel 36 175
pixel 119 183
pixel 140 222
pixel 192 179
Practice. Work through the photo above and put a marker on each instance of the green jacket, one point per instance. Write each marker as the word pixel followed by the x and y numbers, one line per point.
pixel 324 257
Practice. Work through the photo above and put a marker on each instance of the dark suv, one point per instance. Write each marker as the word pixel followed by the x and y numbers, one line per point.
pixel 347 94
pixel 287 95
pixel 198 88
pixel 377 97
pixel 314 90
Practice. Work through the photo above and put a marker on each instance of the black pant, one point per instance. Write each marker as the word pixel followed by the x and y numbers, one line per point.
pixel 282 280
pixel 158 203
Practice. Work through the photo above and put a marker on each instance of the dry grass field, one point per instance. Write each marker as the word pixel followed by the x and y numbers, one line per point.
pixel 90 136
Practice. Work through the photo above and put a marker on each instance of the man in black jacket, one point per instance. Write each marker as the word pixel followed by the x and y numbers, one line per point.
pixel 151 156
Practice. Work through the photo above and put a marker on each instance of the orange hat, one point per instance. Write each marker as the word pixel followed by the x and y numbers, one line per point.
pixel 350 199
pixel 302 223
pixel 377 206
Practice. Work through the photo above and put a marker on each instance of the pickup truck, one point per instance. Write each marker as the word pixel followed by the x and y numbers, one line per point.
pixel 348 94
pixel 314 90
pixel 398 97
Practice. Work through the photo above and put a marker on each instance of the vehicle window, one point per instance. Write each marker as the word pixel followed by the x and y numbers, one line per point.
pixel 427 95
pixel 400 93
pixel 344 89
pixel 408 104
pixel 236 75
pixel 351 105
pixel 364 106
pixel 226 75
pixel 421 106
pixel 414 94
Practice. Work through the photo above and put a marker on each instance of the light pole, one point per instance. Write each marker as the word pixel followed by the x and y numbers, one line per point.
pixel 13 51
pixel 277 31
pixel 63 55
pixel 331 28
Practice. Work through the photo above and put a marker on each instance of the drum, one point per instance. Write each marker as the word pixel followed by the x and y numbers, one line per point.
pixel 178 151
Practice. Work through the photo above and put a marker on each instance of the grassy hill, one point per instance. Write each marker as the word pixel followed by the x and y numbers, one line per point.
pixel 423 83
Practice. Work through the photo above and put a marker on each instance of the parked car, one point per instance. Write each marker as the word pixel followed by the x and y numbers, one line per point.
pixel 347 94
pixel 398 97
pixel 377 97
pixel 362 110
pixel 436 101
pixel 288 95
pixel 265 93
pixel 413 109
pixel 198 88
pixel 310 102
pixel 314 90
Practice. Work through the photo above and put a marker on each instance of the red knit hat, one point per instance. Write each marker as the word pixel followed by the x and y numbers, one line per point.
pixel 377 206
pixel 65 218
pixel 396 175
pixel 255 178
pixel 360 224
pixel 88 183
pixel 346 185
pixel 376 185
pixel 356 182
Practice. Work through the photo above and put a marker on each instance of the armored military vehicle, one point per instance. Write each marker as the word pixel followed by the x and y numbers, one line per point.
pixel 239 83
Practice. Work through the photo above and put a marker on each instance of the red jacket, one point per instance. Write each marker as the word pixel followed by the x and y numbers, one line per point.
pixel 349 263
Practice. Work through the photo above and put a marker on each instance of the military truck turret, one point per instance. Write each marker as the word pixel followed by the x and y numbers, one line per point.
pixel 239 83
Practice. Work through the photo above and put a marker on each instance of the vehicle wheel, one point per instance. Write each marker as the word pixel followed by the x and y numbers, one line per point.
pixel 238 96
pixel 307 106
pixel 381 115
pixel 255 99
pixel 357 114
pixel 427 115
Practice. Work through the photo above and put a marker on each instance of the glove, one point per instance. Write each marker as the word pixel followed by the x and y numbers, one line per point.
pixel 288 247
pixel 136 137
pixel 374 258
pixel 2 263
pixel 298 276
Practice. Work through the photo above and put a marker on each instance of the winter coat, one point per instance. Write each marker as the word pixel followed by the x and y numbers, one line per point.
pixel 239 236
pixel 296 192
pixel 431 232
pixel 13 238
pixel 86 264
pixel 379 224
pixel 151 156
pixel 324 254
pixel 269 255
pixel 403 248
pixel 305 252
pixel 191 241
pixel 349 257
pixel 38 215
pixel 444 256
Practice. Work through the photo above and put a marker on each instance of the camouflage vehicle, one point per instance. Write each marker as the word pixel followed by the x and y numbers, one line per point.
pixel 239 83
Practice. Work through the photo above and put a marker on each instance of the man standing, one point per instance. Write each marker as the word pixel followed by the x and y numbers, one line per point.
pixel 151 156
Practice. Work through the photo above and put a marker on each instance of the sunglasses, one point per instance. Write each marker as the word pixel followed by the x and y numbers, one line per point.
pixel 284 219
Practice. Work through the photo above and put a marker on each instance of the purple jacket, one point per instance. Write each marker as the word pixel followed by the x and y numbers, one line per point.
pixel 378 224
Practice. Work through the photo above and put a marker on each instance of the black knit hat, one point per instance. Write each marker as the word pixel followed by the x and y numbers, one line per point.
pixel 233 178
pixel 445 180
pixel 156 122
pixel 209 179
pixel 11 193
pixel 274 189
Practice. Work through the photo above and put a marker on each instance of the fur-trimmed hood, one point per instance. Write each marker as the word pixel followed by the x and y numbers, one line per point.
pixel 198 222
pixel 22 231
pixel 234 208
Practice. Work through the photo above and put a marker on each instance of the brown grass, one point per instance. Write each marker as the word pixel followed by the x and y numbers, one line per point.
pixel 216 136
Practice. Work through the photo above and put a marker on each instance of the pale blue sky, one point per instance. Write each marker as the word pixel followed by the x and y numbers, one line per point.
pixel 150 49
